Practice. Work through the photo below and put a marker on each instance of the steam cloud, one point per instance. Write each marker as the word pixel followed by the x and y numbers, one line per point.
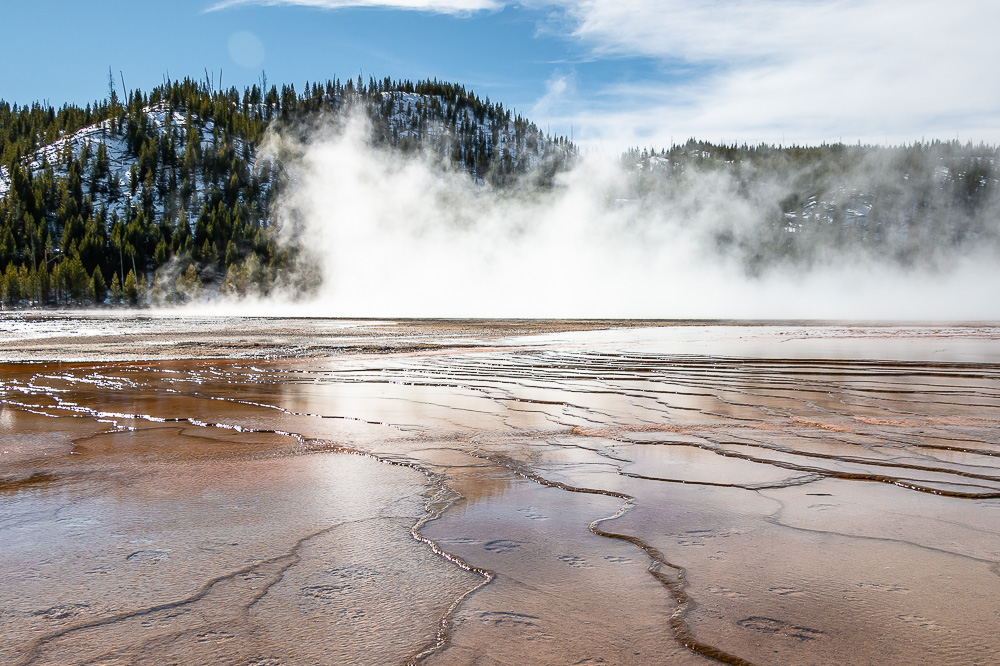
pixel 393 235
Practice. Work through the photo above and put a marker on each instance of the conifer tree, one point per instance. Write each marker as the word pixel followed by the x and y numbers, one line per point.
pixel 99 287
pixel 75 278
pixel 131 290
pixel 11 286
pixel 116 288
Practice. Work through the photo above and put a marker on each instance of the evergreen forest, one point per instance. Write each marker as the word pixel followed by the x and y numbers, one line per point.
pixel 166 196
pixel 160 195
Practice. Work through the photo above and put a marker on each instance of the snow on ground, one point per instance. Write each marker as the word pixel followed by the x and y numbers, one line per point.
pixel 120 160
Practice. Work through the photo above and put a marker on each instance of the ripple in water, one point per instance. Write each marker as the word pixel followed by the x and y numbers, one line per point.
pixel 604 497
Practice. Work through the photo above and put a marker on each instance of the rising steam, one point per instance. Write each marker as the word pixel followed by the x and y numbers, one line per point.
pixel 393 235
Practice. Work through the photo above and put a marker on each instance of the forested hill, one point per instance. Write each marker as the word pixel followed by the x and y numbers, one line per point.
pixel 167 196
pixel 924 206
pixel 155 197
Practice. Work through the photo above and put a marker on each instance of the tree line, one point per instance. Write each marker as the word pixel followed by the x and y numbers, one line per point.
pixel 922 206
pixel 160 195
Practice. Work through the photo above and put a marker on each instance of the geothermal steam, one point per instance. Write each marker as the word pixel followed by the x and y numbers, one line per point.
pixel 395 236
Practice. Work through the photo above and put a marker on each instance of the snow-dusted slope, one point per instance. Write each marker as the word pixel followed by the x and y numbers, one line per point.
pixel 58 155
pixel 447 127
pixel 453 129
pixel 913 203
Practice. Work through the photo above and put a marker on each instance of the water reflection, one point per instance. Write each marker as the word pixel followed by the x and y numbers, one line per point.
pixel 610 496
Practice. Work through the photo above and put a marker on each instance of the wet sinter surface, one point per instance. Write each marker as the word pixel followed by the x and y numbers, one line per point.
pixel 809 495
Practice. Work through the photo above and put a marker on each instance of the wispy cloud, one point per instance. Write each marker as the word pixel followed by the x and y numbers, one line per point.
pixel 557 89
pixel 803 71
pixel 808 70
pixel 433 6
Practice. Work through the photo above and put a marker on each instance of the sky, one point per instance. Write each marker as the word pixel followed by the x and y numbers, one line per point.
pixel 612 74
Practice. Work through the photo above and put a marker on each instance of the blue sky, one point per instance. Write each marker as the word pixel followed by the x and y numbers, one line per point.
pixel 616 73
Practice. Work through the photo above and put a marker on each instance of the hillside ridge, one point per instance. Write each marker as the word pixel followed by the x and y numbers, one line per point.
pixel 167 188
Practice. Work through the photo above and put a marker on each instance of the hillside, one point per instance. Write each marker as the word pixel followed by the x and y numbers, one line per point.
pixel 174 194
pixel 919 207
pixel 164 195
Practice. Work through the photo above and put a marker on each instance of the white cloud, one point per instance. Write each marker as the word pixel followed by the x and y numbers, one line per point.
pixel 557 89
pixel 434 6
pixel 805 70
pixel 792 71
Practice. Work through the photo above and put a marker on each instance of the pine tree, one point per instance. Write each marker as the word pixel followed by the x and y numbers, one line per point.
pixel 11 286
pixel 100 288
pixel 116 288
pixel 75 277
pixel 44 284
pixel 188 284
pixel 131 290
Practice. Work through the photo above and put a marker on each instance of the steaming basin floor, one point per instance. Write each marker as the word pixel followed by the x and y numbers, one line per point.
pixel 456 496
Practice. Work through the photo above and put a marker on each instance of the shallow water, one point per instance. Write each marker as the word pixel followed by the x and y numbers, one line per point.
pixel 697 494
